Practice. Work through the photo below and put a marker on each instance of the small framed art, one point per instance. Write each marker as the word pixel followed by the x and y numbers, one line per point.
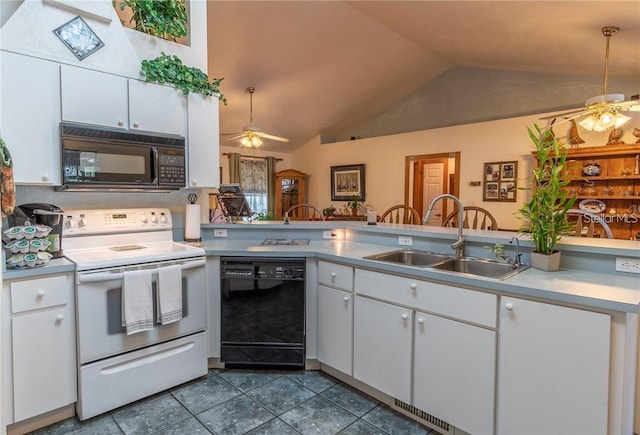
pixel 347 182
pixel 500 181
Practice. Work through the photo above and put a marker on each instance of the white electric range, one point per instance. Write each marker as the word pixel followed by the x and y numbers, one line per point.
pixel 115 368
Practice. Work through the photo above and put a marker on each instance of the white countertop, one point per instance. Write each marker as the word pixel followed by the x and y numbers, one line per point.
pixel 615 291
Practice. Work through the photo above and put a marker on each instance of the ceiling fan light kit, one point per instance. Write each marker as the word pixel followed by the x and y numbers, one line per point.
pixel 251 135
pixel 604 110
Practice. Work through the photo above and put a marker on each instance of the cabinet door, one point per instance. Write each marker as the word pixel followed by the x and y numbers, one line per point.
pixel 382 339
pixel 454 372
pixel 44 375
pixel 92 97
pixel 203 141
pixel 553 369
pixel 156 108
pixel 30 115
pixel 335 330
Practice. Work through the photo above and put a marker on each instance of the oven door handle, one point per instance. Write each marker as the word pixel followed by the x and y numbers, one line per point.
pixel 98 277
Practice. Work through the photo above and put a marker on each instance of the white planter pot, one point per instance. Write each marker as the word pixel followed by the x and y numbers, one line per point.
pixel 548 263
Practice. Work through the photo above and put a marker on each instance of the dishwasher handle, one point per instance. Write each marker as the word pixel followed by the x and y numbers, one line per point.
pixel 98 277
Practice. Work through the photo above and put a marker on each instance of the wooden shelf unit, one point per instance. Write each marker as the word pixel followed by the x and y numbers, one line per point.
pixel 617 185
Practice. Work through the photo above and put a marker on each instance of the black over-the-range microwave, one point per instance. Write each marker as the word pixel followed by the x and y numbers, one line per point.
pixel 99 158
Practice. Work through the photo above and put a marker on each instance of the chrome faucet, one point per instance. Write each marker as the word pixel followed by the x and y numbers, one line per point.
pixel 518 260
pixel 458 245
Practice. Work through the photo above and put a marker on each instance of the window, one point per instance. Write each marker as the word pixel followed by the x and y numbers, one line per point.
pixel 253 173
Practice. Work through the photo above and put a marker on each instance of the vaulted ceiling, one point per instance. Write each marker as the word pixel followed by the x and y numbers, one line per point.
pixel 321 66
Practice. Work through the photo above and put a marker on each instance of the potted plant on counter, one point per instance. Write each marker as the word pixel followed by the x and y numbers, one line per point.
pixel 354 205
pixel 545 214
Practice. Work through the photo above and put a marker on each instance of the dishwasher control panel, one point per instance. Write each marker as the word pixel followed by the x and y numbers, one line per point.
pixel 284 270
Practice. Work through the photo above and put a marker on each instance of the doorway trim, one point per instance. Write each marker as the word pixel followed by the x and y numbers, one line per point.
pixel 409 161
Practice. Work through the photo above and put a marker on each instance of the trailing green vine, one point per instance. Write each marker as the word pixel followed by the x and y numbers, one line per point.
pixel 162 18
pixel 169 69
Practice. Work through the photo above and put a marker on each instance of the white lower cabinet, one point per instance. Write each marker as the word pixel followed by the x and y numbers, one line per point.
pixel 335 328
pixel 553 369
pixel 382 338
pixel 42 344
pixel 454 372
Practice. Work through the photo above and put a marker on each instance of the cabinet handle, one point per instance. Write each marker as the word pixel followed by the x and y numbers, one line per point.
pixel 59 318
pixel 45 177
pixel 420 320
pixel 120 123
pixel 508 306
pixel 40 294
pixel 136 125
pixel 404 316
pixel 194 182
pixel 413 286
pixel 333 275
pixel 346 299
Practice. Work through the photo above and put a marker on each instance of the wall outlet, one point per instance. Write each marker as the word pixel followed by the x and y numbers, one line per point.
pixel 332 234
pixel 219 233
pixel 631 265
pixel 405 241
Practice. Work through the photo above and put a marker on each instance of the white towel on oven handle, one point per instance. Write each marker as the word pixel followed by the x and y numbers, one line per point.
pixel 169 290
pixel 137 301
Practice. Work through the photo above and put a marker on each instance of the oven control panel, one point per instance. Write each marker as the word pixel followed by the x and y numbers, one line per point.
pixel 105 221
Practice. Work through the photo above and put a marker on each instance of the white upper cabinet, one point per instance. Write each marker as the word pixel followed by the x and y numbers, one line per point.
pixel 93 97
pixel 98 98
pixel 30 117
pixel 203 141
pixel 157 108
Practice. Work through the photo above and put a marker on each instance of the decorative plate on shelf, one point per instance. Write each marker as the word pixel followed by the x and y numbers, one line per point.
pixel 592 169
pixel 592 205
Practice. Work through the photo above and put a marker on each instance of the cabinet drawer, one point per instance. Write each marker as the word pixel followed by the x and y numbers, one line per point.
pixel 459 303
pixel 335 275
pixel 39 293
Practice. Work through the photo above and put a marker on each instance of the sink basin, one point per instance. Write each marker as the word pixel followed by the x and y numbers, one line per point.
pixel 410 257
pixel 480 267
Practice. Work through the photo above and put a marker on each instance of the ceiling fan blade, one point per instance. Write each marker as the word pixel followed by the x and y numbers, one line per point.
pixel 270 136
pixel 563 114
pixel 234 137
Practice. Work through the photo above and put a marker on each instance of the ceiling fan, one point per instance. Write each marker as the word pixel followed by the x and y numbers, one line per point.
pixel 251 135
pixel 602 112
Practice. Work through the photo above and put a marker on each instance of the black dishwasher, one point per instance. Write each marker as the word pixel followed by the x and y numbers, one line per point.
pixel 262 312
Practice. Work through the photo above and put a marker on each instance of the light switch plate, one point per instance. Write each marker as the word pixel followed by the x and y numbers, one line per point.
pixel 219 233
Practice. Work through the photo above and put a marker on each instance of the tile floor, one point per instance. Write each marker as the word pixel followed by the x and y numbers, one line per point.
pixel 250 402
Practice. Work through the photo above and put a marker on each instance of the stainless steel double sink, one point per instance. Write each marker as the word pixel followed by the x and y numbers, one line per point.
pixel 483 267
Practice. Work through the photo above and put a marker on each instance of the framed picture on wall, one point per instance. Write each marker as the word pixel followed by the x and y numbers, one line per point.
pixel 500 181
pixel 347 182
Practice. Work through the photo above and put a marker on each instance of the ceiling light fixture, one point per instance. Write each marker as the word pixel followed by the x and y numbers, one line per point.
pixel 251 135
pixel 604 110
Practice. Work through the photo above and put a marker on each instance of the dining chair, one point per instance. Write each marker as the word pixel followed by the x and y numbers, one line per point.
pixel 476 218
pixel 401 214
pixel 304 212
pixel 587 224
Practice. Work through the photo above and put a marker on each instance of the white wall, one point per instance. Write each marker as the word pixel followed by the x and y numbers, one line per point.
pixel 384 157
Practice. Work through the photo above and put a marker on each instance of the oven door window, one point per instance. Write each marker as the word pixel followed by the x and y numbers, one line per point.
pixel 88 162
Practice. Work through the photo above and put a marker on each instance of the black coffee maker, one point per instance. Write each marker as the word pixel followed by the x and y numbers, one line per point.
pixel 42 214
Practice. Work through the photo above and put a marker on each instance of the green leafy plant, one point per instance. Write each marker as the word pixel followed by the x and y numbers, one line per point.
pixel 545 214
pixel 328 211
pixel 354 203
pixel 263 216
pixel 170 69
pixel 163 18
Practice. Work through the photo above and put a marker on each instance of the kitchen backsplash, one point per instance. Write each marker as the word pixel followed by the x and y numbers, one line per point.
pixel 175 201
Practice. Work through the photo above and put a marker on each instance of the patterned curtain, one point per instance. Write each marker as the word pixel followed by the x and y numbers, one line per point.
pixel 253 176
pixel 234 168
pixel 271 185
